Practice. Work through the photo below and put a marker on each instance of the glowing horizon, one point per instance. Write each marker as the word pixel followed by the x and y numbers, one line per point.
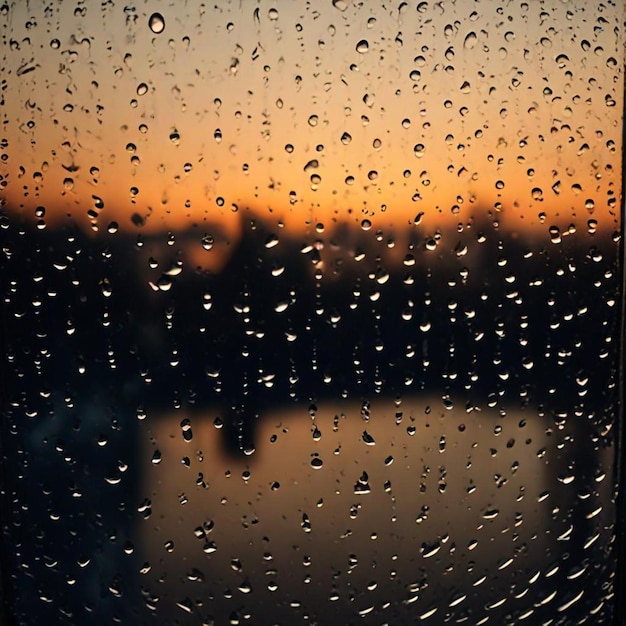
pixel 186 125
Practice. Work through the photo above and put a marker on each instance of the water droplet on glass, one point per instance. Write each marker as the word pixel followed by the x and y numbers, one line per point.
pixel 470 40
pixel 368 439
pixel 186 428
pixel 491 514
pixel 156 23
pixel 316 463
pixel 430 549
pixel 363 46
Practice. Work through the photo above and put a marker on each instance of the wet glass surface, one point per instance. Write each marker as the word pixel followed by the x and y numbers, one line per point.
pixel 311 314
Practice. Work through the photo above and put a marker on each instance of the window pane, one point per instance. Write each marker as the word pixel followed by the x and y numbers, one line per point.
pixel 311 312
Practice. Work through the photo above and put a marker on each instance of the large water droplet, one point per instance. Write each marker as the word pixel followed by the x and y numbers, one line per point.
pixel 156 23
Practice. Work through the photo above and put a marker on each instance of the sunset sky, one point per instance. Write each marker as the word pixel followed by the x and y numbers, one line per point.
pixel 310 113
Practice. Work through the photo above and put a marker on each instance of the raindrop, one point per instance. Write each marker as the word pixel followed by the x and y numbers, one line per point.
pixel 142 89
pixel 316 463
pixel 186 428
pixel 156 23
pixel 470 40
pixel 368 439
pixel 592 226
pixel 271 241
pixel 363 46
pixel 430 549
pixel 362 487
pixel 491 514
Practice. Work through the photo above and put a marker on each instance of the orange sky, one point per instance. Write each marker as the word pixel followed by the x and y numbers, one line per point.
pixel 449 111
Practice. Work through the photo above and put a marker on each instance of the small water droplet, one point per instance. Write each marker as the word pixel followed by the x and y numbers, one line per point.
pixel 491 513
pixel 316 463
pixel 368 439
pixel 186 428
pixel 430 549
pixel 363 46
pixel 470 40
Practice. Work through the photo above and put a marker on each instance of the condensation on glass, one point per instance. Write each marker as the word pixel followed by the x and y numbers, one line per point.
pixel 310 311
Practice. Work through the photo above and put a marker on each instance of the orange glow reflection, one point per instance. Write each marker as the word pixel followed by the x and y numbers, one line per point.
pixel 337 486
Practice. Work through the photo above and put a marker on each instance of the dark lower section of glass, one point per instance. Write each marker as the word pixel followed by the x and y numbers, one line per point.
pixel 91 347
